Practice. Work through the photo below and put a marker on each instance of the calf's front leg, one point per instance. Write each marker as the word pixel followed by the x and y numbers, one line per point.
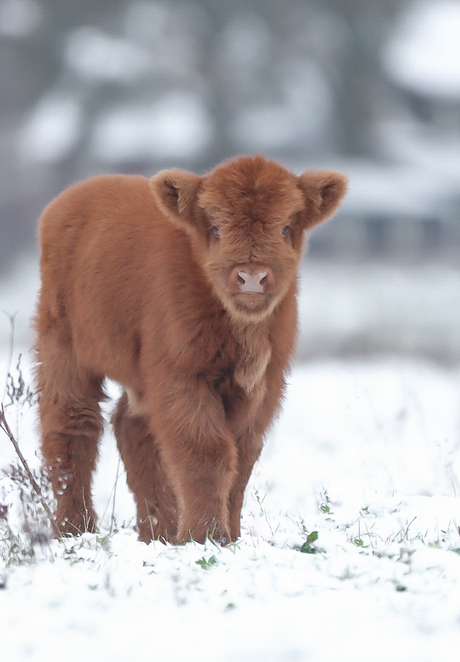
pixel 249 449
pixel 199 456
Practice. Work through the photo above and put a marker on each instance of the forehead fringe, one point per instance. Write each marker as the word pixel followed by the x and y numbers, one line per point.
pixel 253 187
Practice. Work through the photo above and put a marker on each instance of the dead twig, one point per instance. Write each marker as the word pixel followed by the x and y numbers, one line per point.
pixel 7 430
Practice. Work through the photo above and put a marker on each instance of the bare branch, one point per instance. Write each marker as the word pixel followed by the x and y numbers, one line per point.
pixel 7 430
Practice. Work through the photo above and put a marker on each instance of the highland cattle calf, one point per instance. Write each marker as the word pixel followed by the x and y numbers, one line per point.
pixel 183 290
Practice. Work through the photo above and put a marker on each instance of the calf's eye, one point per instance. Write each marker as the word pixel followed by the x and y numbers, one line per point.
pixel 216 232
pixel 285 230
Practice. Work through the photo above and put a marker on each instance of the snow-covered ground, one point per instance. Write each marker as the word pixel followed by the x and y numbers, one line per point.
pixel 366 454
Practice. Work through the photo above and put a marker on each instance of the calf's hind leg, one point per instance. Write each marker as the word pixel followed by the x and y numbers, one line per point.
pixel 154 497
pixel 71 424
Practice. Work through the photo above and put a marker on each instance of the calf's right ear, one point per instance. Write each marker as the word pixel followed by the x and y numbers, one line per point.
pixel 175 193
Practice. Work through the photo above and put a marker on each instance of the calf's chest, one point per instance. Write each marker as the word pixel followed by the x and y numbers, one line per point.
pixel 242 361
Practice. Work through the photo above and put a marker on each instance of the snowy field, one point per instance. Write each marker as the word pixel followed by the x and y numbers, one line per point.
pixel 350 548
pixel 365 454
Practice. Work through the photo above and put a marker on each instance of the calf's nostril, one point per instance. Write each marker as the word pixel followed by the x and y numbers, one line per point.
pixel 241 277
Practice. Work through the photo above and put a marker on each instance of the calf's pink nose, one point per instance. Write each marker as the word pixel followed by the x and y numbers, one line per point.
pixel 251 282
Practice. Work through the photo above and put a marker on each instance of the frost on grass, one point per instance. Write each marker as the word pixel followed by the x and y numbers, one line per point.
pixel 24 523
pixel 25 494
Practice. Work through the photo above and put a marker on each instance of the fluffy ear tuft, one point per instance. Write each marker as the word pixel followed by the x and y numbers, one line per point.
pixel 175 193
pixel 323 191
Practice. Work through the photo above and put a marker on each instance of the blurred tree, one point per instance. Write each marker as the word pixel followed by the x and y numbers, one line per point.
pixel 361 85
pixel 287 78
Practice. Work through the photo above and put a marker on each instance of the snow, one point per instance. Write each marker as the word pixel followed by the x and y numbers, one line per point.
pixel 397 190
pixel 302 113
pixel 95 55
pixel 52 129
pixel 424 52
pixel 175 126
pixel 380 307
pixel 365 453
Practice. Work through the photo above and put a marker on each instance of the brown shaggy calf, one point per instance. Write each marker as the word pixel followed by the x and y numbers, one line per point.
pixel 182 289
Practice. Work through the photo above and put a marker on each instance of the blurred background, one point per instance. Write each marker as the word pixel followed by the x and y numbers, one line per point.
pixel 370 87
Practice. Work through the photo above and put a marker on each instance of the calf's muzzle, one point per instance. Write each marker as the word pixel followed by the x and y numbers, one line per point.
pixel 251 279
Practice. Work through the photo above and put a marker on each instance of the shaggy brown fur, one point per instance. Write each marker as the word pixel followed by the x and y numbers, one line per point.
pixel 182 289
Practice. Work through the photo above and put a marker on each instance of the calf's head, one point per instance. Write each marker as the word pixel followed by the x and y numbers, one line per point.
pixel 247 221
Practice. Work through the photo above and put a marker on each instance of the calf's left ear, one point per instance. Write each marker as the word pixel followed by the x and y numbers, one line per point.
pixel 323 191
pixel 175 193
